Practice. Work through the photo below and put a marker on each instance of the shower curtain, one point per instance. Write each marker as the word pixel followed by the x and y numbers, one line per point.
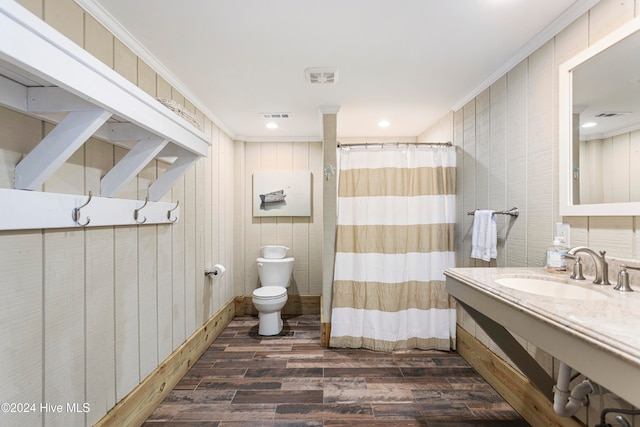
pixel 395 237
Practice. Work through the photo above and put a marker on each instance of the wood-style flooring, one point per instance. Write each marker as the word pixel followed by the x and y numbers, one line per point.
pixel 244 379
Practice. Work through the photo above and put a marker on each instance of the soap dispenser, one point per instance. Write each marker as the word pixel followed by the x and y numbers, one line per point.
pixel 557 256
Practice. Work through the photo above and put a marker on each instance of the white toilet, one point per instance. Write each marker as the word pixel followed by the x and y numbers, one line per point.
pixel 274 271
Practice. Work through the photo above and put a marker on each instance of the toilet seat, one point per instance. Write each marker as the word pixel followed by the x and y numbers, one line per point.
pixel 270 292
pixel 274 260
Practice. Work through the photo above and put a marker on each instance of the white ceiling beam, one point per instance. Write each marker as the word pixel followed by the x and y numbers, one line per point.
pixel 118 132
pixel 57 147
pixel 12 94
pixel 130 165
pixel 45 53
pixel 165 181
pixel 172 150
pixel 54 99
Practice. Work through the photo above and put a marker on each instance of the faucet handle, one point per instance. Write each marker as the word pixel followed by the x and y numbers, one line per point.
pixel 577 269
pixel 623 279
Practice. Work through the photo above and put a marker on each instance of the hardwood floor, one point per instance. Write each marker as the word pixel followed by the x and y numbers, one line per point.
pixel 244 379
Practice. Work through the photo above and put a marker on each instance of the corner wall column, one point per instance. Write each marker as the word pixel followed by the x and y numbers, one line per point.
pixel 329 213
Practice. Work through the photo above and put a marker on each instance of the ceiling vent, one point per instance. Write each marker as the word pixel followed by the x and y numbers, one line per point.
pixel 610 114
pixel 321 76
pixel 275 115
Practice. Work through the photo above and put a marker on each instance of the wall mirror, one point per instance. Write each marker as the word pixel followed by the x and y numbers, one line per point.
pixel 599 124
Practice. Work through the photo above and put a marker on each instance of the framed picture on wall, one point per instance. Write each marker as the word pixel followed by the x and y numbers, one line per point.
pixel 282 193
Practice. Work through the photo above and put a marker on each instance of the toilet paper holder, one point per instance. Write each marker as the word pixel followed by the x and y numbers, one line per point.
pixel 215 271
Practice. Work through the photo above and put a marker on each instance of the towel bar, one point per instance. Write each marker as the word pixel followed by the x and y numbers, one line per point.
pixel 512 212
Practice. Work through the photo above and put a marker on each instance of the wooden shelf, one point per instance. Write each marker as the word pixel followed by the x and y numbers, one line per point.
pixel 48 76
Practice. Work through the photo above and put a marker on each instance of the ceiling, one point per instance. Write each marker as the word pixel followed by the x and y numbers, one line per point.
pixel 606 90
pixel 408 61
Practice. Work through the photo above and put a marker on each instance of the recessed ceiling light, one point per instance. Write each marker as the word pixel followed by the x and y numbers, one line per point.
pixel 589 124
pixel 384 123
pixel 272 125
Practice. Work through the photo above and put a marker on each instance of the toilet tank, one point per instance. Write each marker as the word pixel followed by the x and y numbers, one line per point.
pixel 275 272
pixel 274 251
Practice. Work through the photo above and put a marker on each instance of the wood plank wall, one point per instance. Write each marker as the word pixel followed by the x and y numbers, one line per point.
pixel 508 156
pixel 608 169
pixel 89 309
pixel 89 313
pixel 303 235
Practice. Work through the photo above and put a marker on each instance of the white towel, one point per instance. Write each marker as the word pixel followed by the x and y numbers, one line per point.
pixel 485 237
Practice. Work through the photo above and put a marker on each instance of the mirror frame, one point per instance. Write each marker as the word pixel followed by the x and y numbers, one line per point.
pixel 565 128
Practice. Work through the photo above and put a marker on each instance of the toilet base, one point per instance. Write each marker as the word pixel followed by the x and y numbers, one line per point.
pixel 270 323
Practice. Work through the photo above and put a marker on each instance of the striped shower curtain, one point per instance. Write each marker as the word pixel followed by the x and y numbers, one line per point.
pixel 395 237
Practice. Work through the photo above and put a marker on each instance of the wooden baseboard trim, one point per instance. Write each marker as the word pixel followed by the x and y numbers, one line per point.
pixel 514 387
pixel 136 407
pixel 325 334
pixel 325 327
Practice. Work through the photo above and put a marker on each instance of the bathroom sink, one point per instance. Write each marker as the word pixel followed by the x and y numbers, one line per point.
pixel 550 288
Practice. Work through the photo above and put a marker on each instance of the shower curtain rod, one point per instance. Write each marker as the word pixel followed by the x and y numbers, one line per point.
pixel 383 144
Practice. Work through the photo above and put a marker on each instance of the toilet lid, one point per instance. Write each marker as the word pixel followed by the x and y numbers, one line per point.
pixel 268 292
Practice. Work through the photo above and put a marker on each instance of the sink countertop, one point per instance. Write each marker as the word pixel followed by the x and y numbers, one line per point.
pixel 611 324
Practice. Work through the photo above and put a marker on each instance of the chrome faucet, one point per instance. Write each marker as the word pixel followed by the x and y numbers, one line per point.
pixel 602 267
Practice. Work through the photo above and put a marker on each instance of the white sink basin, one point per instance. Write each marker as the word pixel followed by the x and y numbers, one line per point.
pixel 550 288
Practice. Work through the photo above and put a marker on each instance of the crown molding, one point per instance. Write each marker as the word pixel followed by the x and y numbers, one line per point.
pixel 96 10
pixel 329 109
pixel 569 16
pixel 101 15
pixel 245 138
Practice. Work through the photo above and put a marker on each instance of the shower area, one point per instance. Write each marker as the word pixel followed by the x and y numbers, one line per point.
pixel 394 239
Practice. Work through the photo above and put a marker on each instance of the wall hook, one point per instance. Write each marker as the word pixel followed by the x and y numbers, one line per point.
pixel 136 212
pixel 172 209
pixel 75 213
